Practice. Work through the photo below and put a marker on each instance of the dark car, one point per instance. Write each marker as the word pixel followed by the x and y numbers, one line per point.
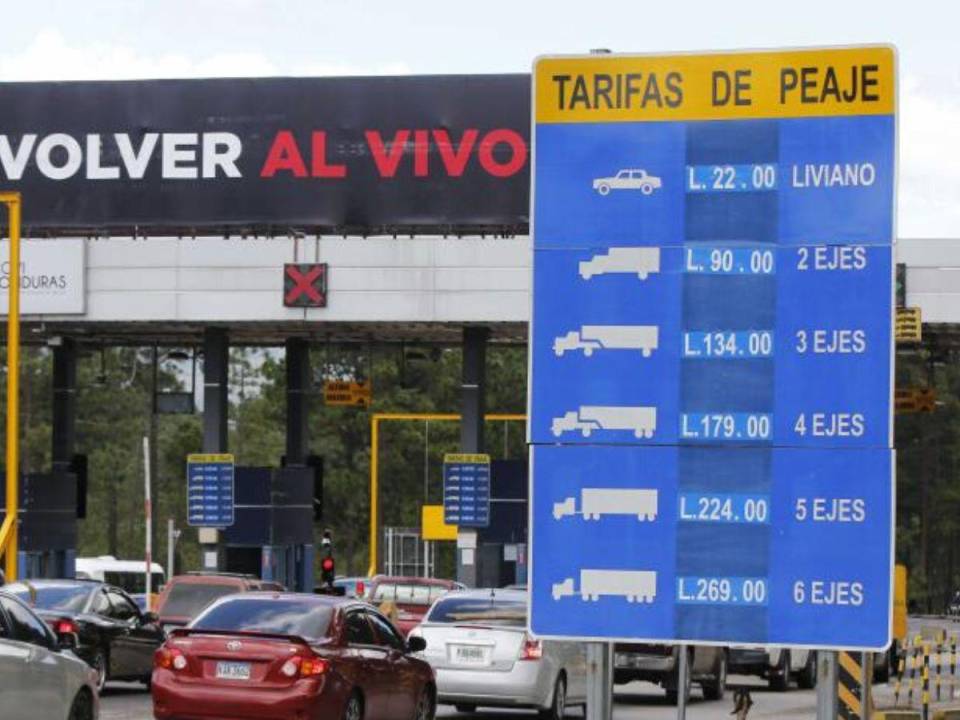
pixel 292 655
pixel 185 596
pixel 660 664
pixel 113 636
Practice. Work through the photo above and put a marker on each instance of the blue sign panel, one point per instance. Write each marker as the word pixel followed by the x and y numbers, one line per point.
pixel 466 490
pixel 210 490
pixel 710 411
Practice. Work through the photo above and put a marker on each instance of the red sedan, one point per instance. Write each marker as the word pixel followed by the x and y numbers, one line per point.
pixel 292 656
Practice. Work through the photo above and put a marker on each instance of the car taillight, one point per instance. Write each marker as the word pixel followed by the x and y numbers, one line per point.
pixel 304 666
pixel 169 658
pixel 65 627
pixel 361 588
pixel 531 650
pixel 311 667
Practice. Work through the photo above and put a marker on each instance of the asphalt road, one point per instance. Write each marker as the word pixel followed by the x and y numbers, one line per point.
pixel 637 701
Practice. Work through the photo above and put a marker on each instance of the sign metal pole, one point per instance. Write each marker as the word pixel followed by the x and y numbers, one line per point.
pixel 826 685
pixel 683 668
pixel 599 681
pixel 8 532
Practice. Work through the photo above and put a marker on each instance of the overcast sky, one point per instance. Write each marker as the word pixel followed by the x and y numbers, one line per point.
pixel 123 39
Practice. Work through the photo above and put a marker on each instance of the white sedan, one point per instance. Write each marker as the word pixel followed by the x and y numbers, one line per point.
pixel 40 677
pixel 631 179
pixel 482 655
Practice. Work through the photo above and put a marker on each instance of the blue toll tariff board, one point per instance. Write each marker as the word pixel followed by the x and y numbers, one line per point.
pixel 466 489
pixel 711 378
pixel 210 490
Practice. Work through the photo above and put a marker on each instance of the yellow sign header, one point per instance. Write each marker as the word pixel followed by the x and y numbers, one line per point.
pixel 210 458
pixel 476 458
pixel 721 86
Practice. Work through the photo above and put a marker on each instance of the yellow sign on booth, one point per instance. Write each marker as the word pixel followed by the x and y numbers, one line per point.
pixel 340 392
pixel 432 525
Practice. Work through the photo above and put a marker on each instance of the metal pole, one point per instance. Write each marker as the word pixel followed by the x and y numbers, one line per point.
pixel 172 535
pixel 148 513
pixel 599 681
pixel 8 533
pixel 682 670
pixel 374 493
pixel 826 685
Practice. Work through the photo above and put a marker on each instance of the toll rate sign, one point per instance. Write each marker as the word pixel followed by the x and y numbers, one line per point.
pixel 710 409
pixel 210 490
pixel 466 489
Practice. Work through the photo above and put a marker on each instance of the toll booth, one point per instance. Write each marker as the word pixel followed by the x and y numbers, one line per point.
pixel 272 536
pixel 501 547
pixel 48 524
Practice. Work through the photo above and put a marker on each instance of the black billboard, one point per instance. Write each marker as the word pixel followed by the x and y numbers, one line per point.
pixel 368 155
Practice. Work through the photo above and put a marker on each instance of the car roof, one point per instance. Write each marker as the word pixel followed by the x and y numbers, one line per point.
pixel 331 600
pixel 488 594
pixel 212 579
pixel 60 582
pixel 412 580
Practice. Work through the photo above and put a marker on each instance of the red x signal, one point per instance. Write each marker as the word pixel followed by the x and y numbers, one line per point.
pixel 305 285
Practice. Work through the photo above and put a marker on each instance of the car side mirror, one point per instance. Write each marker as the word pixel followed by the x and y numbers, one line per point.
pixel 149 618
pixel 416 644
pixel 66 641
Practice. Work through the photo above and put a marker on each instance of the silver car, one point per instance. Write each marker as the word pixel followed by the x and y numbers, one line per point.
pixel 479 648
pixel 40 677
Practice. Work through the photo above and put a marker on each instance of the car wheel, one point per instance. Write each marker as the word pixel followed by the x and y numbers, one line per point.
pixel 101 664
pixel 646 189
pixel 465 708
pixel 807 678
pixel 353 710
pixel 558 708
pixel 780 675
pixel 715 689
pixel 82 708
pixel 424 709
pixel 603 189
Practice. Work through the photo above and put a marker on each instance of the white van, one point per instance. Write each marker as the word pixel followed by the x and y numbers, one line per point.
pixel 130 575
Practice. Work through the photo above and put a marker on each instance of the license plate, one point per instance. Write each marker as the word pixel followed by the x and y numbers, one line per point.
pixel 471 655
pixel 233 670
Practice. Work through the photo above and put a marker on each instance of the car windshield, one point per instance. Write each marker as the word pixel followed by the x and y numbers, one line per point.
pixel 64 598
pixel 188 599
pixel 483 611
pixel 304 618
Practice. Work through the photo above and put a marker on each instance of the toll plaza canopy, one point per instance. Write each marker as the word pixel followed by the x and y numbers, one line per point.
pixel 156 209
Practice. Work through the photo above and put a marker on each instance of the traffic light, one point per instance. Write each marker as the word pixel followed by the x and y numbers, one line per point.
pixel 328 566
pixel 328 570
